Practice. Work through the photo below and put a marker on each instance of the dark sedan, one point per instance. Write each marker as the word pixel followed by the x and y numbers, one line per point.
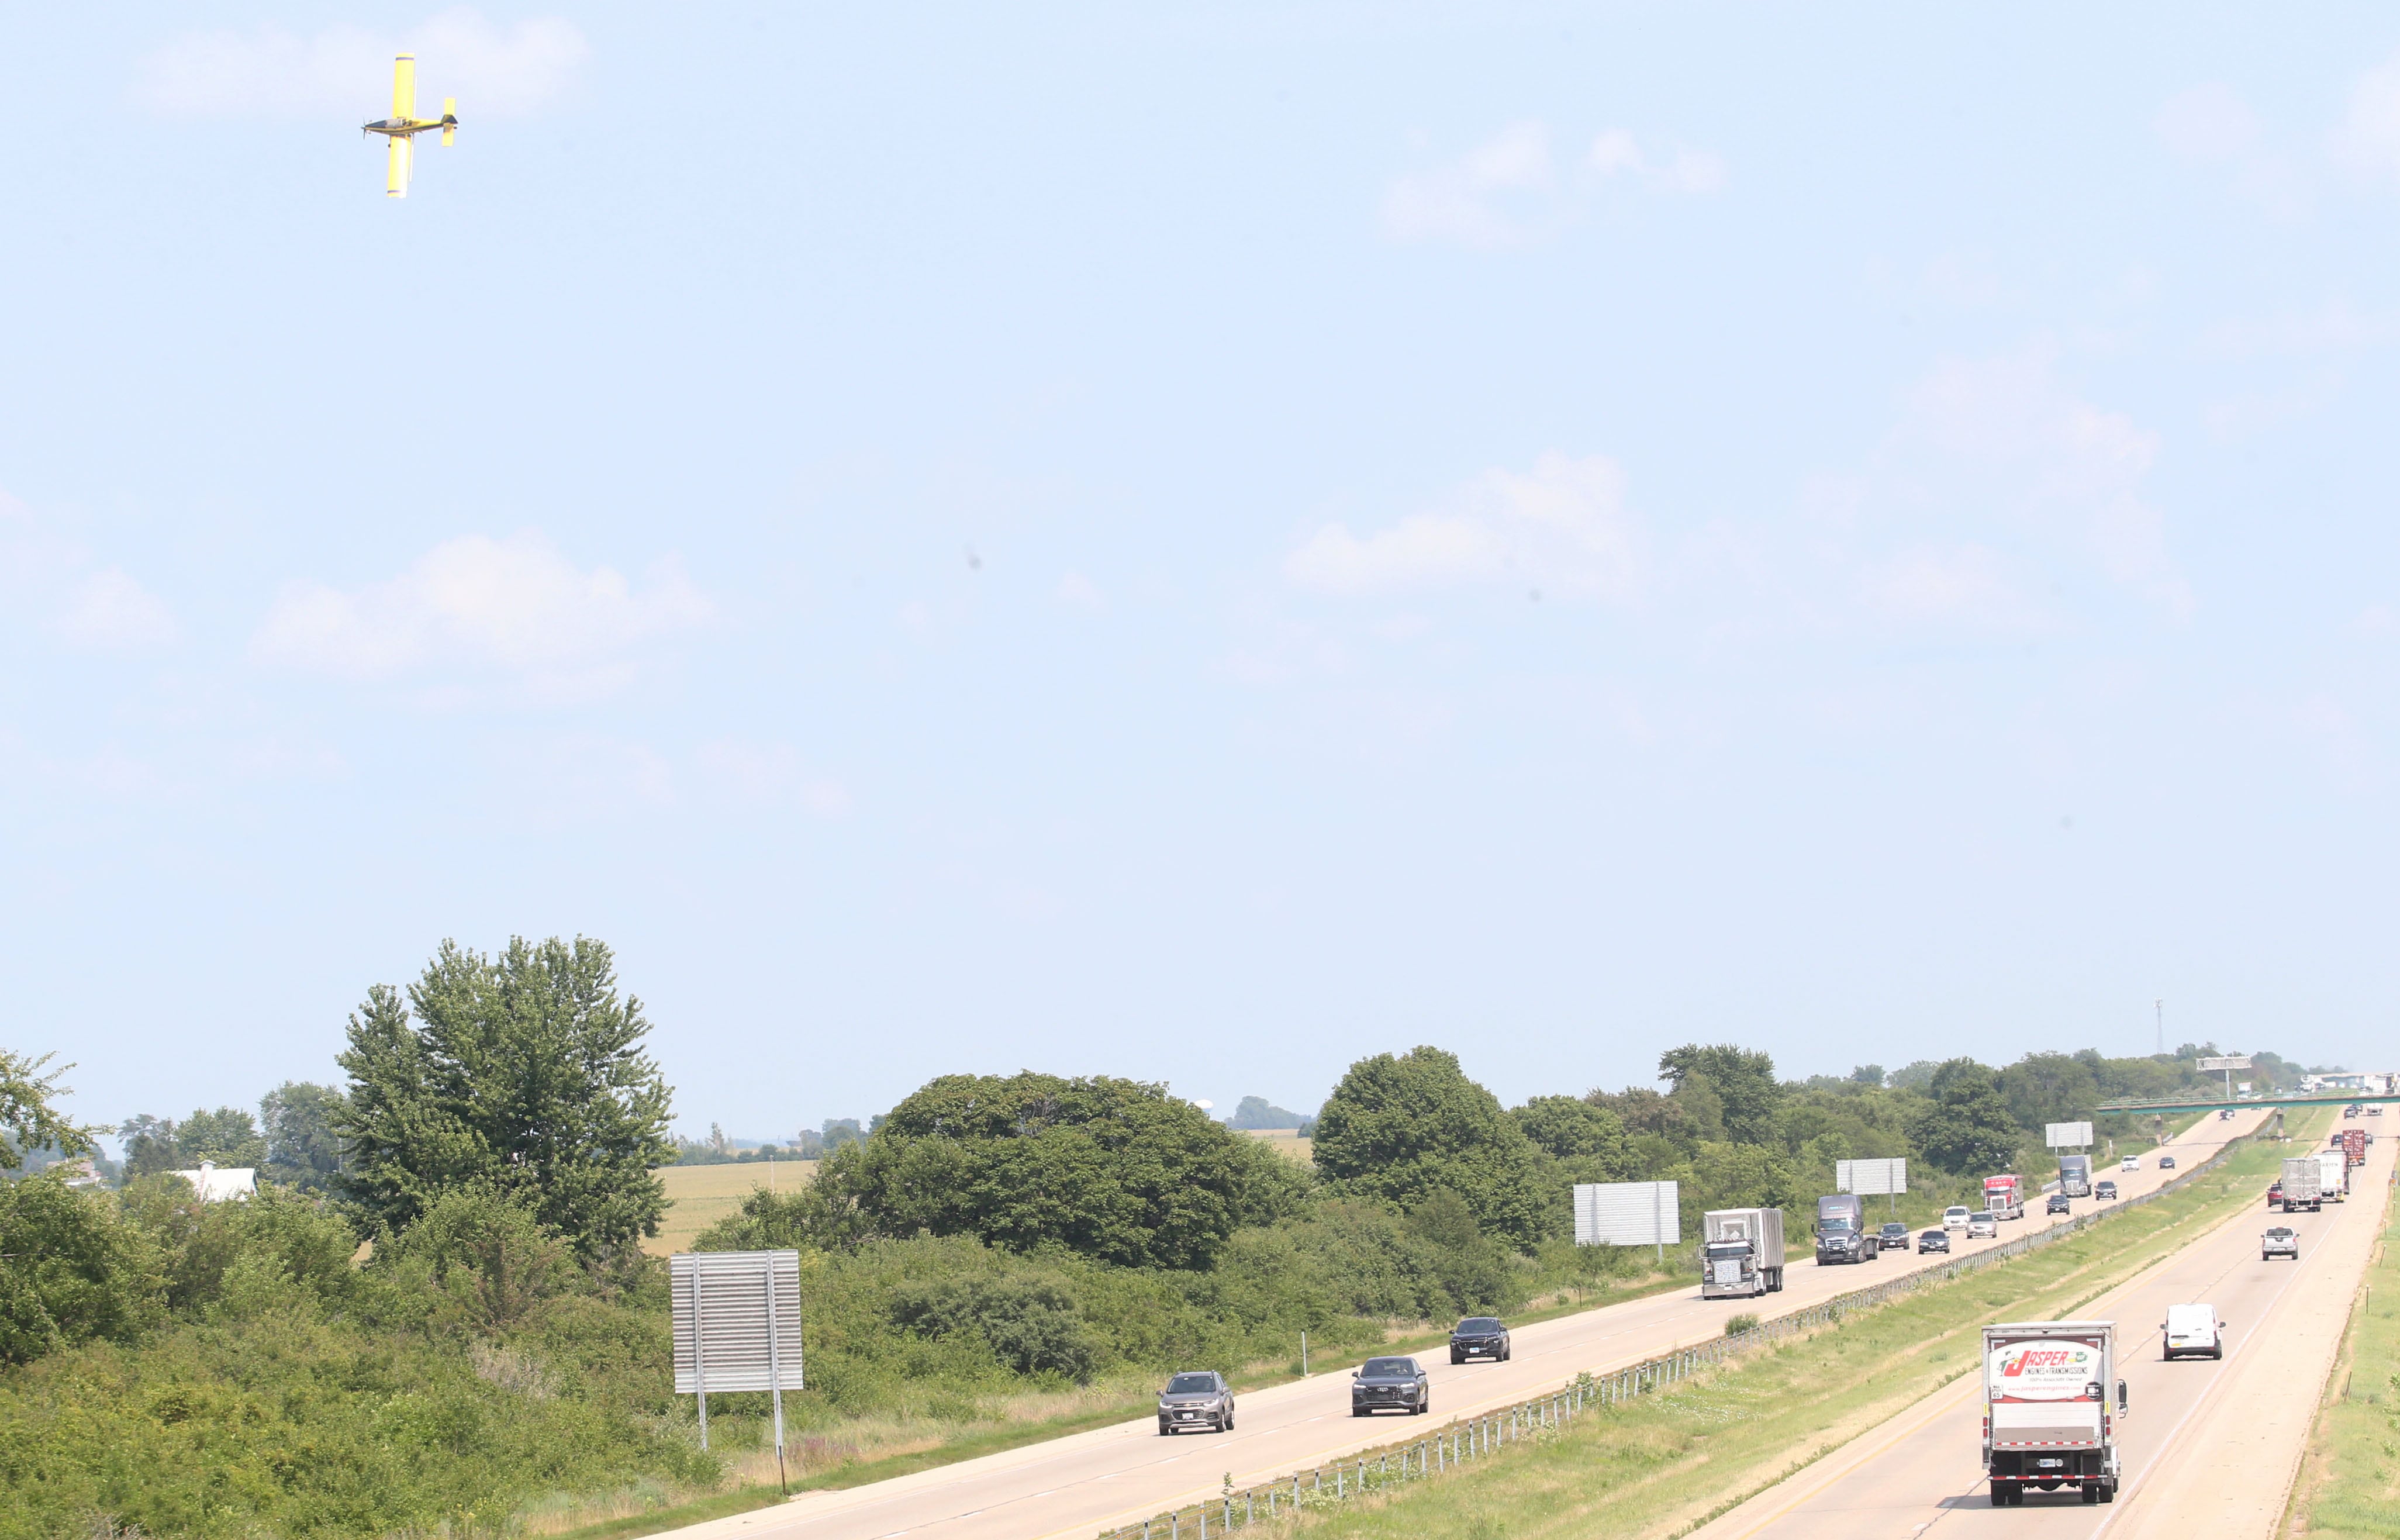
pixel 1892 1237
pixel 2058 1204
pixel 1390 1385
pixel 1479 1337
pixel 1933 1240
pixel 2105 1191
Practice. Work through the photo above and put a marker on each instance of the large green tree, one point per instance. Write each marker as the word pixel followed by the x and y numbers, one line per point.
pixel 522 1072
pixel 1742 1079
pixel 302 1148
pixel 1402 1127
pixel 27 1119
pixel 71 1269
pixel 1117 1170
pixel 1964 1127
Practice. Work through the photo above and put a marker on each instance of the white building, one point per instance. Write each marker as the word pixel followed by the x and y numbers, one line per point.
pixel 234 1182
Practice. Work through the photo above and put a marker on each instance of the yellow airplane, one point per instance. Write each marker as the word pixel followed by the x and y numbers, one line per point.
pixel 402 126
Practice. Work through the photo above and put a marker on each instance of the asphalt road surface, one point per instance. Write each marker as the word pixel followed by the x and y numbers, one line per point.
pixel 1089 1481
pixel 1920 1476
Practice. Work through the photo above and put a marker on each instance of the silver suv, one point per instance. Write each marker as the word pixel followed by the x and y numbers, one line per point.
pixel 1196 1399
pixel 2280 1241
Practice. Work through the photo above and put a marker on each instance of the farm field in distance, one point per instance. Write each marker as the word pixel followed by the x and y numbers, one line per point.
pixel 700 1195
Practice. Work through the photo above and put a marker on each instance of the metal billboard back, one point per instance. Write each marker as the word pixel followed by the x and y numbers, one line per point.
pixel 2066 1136
pixel 2230 1061
pixel 1872 1177
pixel 1628 1213
pixel 723 1303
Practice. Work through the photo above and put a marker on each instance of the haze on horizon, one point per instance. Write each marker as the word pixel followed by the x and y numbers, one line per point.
pixel 1203 543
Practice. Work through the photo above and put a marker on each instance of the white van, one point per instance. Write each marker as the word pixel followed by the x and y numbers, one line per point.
pixel 2193 1331
pixel 2131 1163
pixel 1955 1217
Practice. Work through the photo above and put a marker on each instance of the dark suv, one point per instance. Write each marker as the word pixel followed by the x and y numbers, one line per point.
pixel 2058 1204
pixel 1197 1399
pixel 1390 1385
pixel 1892 1237
pixel 1479 1337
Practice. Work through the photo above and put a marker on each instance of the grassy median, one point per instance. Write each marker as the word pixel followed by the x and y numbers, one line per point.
pixel 1665 1465
pixel 2351 1482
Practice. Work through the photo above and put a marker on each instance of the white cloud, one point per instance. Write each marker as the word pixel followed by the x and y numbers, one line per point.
pixel 494 71
pixel 515 605
pixel 1618 153
pixel 108 611
pixel 771 774
pixel 2370 137
pixel 2210 126
pixel 1562 526
pixel 1468 200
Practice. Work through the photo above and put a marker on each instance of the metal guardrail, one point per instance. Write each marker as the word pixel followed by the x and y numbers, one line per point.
pixel 1463 1444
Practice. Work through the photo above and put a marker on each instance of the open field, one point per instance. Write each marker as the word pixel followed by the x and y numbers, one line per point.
pixel 2350 1484
pixel 700 1195
pixel 1664 1464
pixel 1285 1141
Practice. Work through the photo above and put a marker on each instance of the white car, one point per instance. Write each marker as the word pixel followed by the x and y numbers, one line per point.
pixel 1955 1217
pixel 1984 1226
pixel 2192 1331
pixel 2279 1242
pixel 2131 1163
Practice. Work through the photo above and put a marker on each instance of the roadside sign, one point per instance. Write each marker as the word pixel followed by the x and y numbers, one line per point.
pixel 1871 1178
pixel 737 1326
pixel 1628 1213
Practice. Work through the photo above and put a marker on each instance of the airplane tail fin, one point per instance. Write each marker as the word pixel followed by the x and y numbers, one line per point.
pixel 449 121
pixel 395 181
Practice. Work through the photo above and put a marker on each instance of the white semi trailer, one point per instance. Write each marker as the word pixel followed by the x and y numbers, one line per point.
pixel 2333 1175
pixel 2046 1422
pixel 1741 1253
pixel 2303 1184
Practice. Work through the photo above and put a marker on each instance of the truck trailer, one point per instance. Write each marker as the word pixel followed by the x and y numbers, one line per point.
pixel 2354 1147
pixel 2333 1175
pixel 2303 1184
pixel 2075 1175
pixel 2004 1196
pixel 2047 1423
pixel 1741 1253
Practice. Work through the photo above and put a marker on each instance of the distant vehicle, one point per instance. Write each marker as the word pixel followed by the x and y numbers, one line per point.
pixel 2004 1196
pixel 2375 1111
pixel 1983 1226
pixel 2224 1113
pixel 2046 1418
pixel 1955 1217
pixel 2131 1163
pixel 2058 1204
pixel 2075 1175
pixel 2333 1175
pixel 2351 1111
pixel 1196 1399
pixel 2302 1184
pixel 2279 1241
pixel 2167 1162
pixel 1933 1240
pixel 1390 1385
pixel 1741 1252
pixel 2354 1145
pixel 2192 1331
pixel 1842 1231
pixel 1893 1236
pixel 2105 1191
pixel 2275 1193
pixel 1479 1337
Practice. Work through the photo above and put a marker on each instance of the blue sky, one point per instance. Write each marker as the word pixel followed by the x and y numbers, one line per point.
pixel 1201 542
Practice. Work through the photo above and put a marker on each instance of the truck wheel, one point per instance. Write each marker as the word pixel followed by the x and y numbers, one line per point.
pixel 2090 1492
pixel 2000 1496
pixel 2107 1492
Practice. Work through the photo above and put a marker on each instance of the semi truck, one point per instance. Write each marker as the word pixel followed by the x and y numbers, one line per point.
pixel 1741 1253
pixel 2303 1184
pixel 2046 1422
pixel 1842 1231
pixel 2333 1175
pixel 2004 1196
pixel 2075 1175
pixel 2354 1145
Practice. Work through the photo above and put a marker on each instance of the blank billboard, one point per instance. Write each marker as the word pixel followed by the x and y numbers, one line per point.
pixel 1628 1213
pixel 1871 1178
pixel 2066 1136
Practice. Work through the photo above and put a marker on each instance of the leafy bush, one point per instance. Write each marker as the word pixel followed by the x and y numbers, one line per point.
pixel 74 1271
pixel 1030 1325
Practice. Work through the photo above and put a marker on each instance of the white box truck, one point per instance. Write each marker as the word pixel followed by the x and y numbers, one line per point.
pixel 2333 1175
pixel 2046 1422
pixel 1741 1253
pixel 2303 1184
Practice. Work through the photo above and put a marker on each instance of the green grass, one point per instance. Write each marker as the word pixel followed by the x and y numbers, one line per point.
pixel 2351 1483
pixel 1666 1463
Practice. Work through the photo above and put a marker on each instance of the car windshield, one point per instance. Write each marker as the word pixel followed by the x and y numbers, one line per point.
pixel 1190 1384
pixel 1478 1323
pixel 1935 1235
pixel 1728 1250
pixel 1835 1223
pixel 1385 1368
pixel 2279 1235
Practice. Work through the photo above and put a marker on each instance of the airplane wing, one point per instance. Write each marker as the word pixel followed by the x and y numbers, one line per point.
pixel 403 86
pixel 395 181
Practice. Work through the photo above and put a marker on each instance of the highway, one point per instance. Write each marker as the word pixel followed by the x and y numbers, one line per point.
pixel 1919 1476
pixel 1089 1481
